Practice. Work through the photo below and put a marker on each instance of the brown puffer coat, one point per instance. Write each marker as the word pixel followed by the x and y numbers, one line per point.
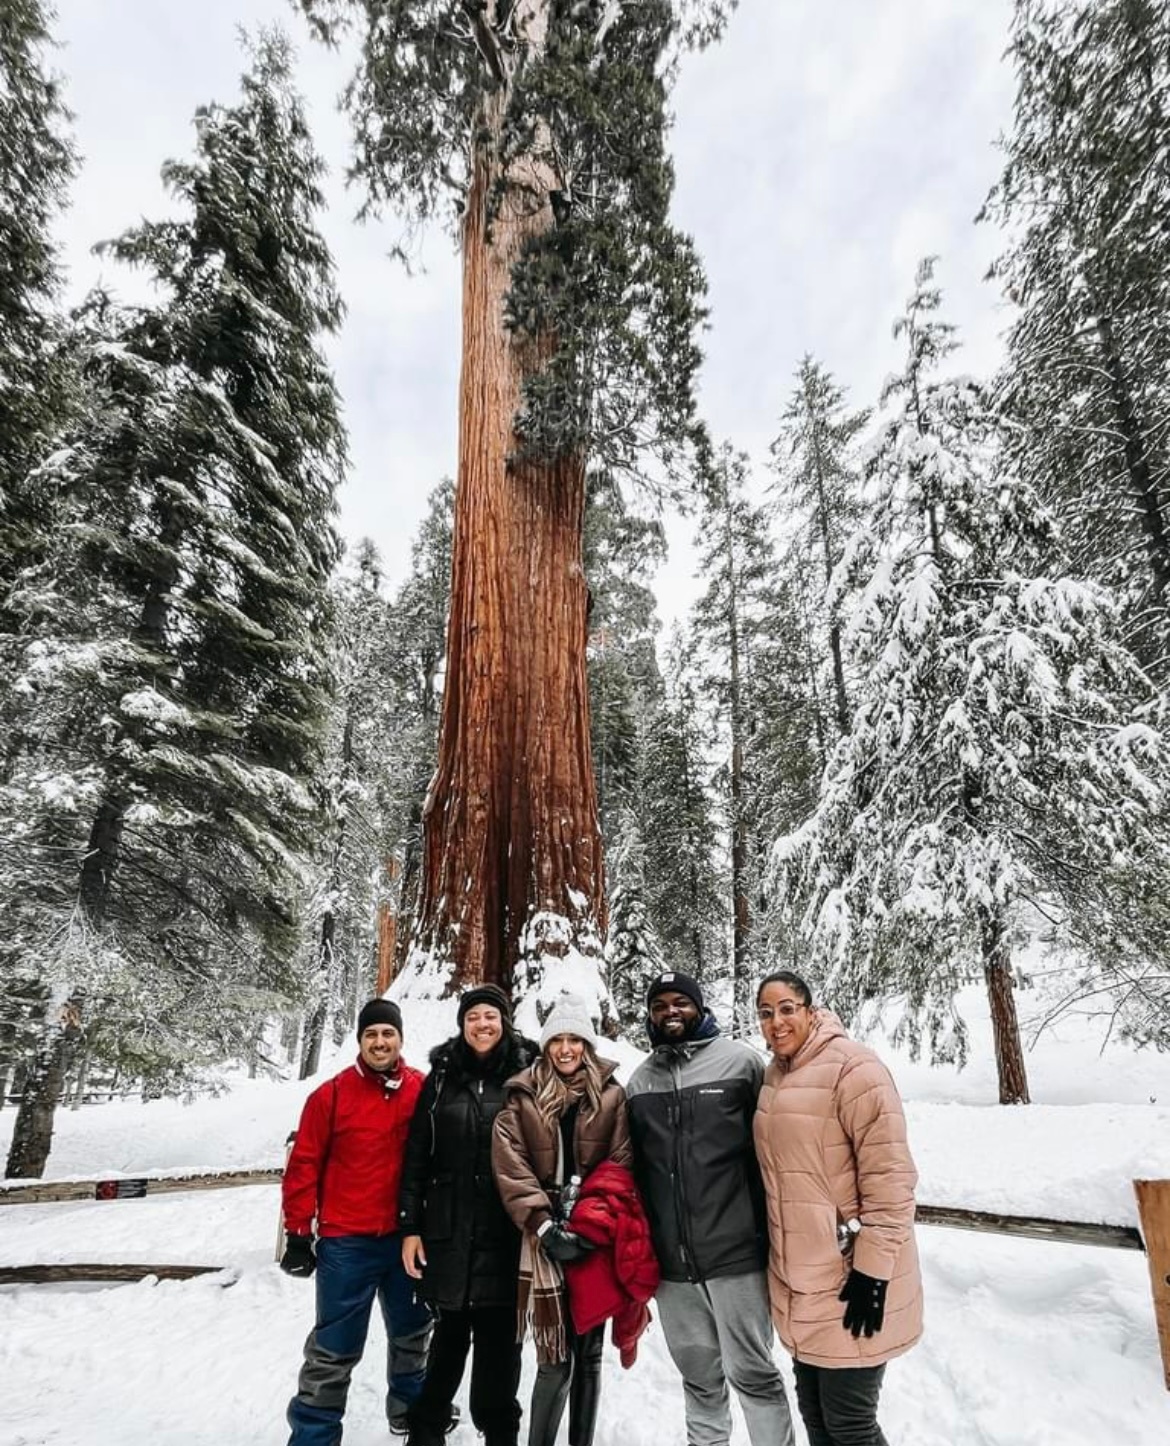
pixel 524 1148
pixel 831 1141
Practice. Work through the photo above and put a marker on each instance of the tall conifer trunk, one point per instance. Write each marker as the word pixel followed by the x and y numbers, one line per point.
pixel 32 1133
pixel 510 828
pixel 1005 1025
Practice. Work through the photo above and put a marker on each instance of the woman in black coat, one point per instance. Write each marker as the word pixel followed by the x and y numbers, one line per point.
pixel 457 1237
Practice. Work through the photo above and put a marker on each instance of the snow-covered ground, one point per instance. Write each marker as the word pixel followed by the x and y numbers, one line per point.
pixel 1028 1343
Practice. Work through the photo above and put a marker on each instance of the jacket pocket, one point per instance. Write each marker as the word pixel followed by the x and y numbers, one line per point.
pixel 439 1209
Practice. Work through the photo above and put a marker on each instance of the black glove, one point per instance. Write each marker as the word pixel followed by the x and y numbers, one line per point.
pixel 298 1258
pixel 865 1303
pixel 564 1245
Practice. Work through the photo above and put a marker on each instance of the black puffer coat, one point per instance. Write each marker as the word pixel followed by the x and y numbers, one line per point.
pixel 448 1194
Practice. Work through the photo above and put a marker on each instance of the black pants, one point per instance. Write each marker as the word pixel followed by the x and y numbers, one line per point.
pixel 839 1408
pixel 490 1333
pixel 579 1380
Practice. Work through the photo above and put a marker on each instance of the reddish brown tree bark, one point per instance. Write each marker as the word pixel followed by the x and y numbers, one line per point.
pixel 1005 1025
pixel 510 828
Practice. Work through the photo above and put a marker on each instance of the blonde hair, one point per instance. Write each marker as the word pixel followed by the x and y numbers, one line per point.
pixel 555 1093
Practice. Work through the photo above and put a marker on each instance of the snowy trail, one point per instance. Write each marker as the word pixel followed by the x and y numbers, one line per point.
pixel 1027 1343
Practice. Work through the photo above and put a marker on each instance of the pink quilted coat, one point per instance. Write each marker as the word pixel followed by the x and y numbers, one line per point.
pixel 831 1141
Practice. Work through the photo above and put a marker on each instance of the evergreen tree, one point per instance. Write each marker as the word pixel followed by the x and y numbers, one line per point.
pixel 417 663
pixel 36 164
pixel 177 667
pixel 818 487
pixel 792 736
pixel 621 549
pixel 355 833
pixel 1085 192
pixel 1005 746
pixel 736 558
pixel 686 883
pixel 545 123
pixel 633 954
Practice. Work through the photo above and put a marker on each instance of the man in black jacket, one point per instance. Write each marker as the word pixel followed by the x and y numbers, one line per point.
pixel 691 1106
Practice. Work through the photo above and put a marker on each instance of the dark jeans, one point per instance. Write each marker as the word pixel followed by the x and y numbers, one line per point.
pixel 351 1271
pixel 490 1334
pixel 577 1379
pixel 840 1407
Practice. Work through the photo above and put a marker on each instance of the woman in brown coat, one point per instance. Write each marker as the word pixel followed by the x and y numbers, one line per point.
pixel 843 1274
pixel 563 1117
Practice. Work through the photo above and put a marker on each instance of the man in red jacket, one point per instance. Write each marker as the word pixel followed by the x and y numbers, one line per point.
pixel 343 1176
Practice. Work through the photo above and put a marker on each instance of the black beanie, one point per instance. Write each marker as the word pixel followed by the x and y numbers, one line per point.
pixel 485 994
pixel 676 983
pixel 379 1011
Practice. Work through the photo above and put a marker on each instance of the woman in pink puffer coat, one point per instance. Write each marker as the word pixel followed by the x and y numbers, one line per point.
pixel 843 1272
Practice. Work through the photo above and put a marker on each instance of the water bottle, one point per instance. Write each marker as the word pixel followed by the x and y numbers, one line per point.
pixel 569 1197
pixel 847 1233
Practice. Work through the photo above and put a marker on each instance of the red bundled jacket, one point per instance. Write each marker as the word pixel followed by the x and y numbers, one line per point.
pixel 347 1160
pixel 618 1278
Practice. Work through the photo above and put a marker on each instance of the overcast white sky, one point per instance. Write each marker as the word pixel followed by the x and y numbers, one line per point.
pixel 821 150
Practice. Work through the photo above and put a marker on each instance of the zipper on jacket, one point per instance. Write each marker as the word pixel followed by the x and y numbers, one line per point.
pixel 685 1248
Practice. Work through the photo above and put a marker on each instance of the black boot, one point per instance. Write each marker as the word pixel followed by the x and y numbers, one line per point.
pixel 549 1394
pixel 585 1391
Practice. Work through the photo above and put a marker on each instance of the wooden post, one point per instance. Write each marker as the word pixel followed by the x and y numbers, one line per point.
pixel 1153 1197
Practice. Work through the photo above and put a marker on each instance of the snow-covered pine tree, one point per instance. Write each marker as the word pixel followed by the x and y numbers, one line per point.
pixel 737 561
pixel 354 839
pixel 178 669
pixel 793 734
pixel 36 163
pixel 633 954
pixel 818 481
pixel 621 551
pixel 685 874
pixel 544 122
pixel 1085 192
pixel 417 661
pixel 1005 745
pixel 388 660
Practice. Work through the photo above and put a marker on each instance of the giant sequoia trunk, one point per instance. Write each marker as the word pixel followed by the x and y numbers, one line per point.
pixel 512 861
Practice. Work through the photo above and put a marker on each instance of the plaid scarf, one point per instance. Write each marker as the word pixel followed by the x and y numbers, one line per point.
pixel 540 1302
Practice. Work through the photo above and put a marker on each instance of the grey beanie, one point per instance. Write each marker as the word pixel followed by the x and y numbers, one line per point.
pixel 569 1015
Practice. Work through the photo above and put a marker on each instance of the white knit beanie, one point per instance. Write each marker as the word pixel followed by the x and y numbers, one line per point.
pixel 569 1015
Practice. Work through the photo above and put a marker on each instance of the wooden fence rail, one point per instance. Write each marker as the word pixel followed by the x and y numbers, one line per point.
pixel 1153 1203
pixel 103 1273
pixel 41 1192
pixel 1035 1227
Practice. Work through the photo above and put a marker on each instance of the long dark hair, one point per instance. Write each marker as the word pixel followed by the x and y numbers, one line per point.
pixel 793 981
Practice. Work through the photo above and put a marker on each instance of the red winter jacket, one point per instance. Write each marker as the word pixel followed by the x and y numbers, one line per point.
pixel 619 1277
pixel 347 1160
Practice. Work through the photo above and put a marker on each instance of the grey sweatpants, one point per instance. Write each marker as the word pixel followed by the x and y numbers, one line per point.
pixel 719 1333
